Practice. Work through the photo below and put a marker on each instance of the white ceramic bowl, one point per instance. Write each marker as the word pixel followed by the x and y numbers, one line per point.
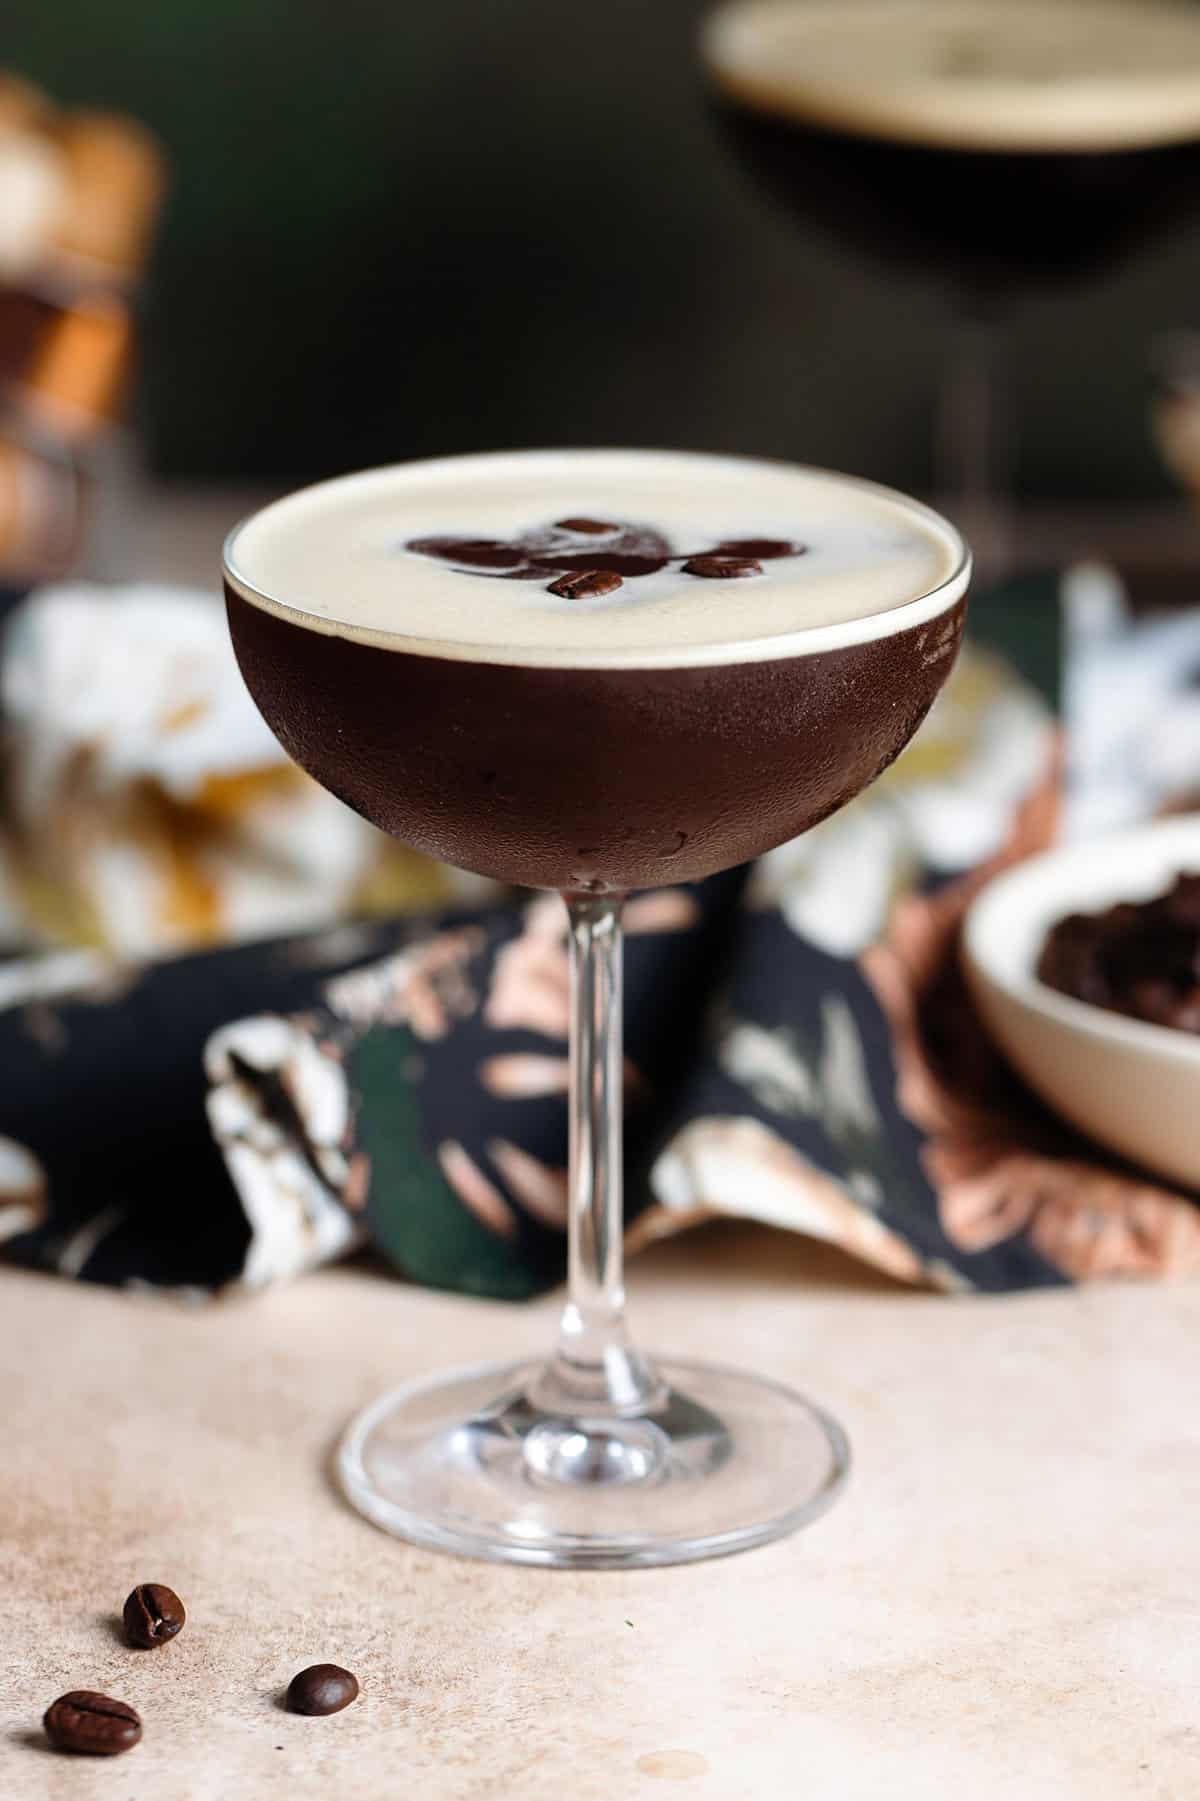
pixel 1132 1086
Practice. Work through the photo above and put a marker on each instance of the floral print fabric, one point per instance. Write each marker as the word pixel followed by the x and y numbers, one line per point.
pixel 800 1049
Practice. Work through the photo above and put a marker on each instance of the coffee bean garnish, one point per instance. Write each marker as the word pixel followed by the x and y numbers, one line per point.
pixel 614 559
pixel 473 553
pixel 724 568
pixel 586 585
pixel 629 551
pixel 762 549
pixel 322 1688
pixel 573 546
pixel 91 1725
pixel 153 1614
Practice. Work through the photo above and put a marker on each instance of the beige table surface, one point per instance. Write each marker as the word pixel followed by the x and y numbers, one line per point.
pixel 1006 1603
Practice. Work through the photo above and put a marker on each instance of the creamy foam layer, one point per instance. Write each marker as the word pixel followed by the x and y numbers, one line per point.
pixel 1018 75
pixel 334 559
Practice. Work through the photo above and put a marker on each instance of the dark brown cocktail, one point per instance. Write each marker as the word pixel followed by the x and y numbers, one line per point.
pixel 645 760
pixel 592 672
pixel 591 779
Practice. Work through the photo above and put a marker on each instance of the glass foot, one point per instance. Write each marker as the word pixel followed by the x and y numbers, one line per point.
pixel 467 1462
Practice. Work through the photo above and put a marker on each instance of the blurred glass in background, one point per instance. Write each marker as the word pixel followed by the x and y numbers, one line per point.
pixel 1006 149
pixel 423 229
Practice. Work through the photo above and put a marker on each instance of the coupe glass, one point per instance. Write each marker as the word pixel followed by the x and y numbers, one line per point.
pixel 995 218
pixel 600 1454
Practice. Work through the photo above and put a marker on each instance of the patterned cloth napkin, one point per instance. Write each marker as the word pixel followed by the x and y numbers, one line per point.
pixel 800 1047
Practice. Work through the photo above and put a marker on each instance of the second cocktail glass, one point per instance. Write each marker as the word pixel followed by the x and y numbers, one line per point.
pixel 999 147
pixel 594 672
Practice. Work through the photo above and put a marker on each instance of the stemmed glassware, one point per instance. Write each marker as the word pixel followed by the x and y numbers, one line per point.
pixel 999 148
pixel 471 693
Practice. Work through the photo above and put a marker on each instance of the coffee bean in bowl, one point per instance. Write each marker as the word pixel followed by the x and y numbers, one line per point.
pixel 1124 1074
pixel 91 1725
pixel 153 1615
pixel 1140 958
pixel 322 1688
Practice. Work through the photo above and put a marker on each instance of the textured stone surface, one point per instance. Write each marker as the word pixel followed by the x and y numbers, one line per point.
pixel 1006 1602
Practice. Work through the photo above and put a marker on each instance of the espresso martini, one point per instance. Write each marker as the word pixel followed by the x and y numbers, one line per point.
pixel 594 671
pixel 1000 142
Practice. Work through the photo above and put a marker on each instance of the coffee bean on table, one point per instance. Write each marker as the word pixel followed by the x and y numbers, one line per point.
pixel 92 1725
pixel 153 1614
pixel 322 1688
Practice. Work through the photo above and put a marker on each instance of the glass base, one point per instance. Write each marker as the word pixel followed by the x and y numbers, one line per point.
pixel 468 1462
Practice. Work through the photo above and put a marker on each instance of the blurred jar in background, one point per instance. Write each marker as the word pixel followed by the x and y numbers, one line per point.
pixel 79 197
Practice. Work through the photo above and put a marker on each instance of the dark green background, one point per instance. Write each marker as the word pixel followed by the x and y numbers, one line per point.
pixel 411 228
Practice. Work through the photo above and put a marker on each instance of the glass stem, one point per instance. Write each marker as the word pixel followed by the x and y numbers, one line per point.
pixel 974 443
pixel 596 1370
